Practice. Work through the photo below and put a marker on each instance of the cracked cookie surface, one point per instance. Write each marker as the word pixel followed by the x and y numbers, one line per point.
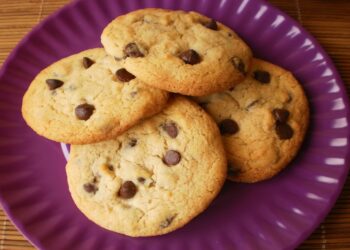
pixel 181 52
pixel 262 121
pixel 88 97
pixel 155 177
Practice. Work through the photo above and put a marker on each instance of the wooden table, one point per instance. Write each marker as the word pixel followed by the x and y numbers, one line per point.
pixel 328 21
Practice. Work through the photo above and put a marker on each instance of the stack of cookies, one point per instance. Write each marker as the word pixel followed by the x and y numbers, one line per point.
pixel 145 161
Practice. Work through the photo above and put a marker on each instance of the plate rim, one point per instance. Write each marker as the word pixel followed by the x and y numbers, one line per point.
pixel 5 206
pixel 346 166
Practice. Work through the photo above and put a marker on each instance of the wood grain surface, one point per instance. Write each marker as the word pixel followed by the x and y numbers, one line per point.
pixel 328 21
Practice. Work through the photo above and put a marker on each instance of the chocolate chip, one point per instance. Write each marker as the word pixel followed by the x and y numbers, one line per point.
pixel 132 50
pixel 171 129
pixel 110 167
pixel 127 190
pixel 90 188
pixel 190 57
pixel 167 222
pixel 141 179
pixel 211 25
pixel 172 157
pixel 87 62
pixel 239 64
pixel 54 83
pixel 284 131
pixel 84 111
pixel 132 142
pixel 124 76
pixel 262 76
pixel 228 127
pixel 281 115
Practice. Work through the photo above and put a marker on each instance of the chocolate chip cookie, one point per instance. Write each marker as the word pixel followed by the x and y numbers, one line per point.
pixel 181 52
pixel 88 97
pixel 155 177
pixel 262 122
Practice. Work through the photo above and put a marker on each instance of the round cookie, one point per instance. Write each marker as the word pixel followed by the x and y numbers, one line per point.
pixel 88 97
pixel 155 177
pixel 181 52
pixel 262 121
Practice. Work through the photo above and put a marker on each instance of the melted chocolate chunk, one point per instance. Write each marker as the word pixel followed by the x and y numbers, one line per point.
pixel 54 83
pixel 172 157
pixel 132 50
pixel 167 222
pixel 281 115
pixel 127 190
pixel 124 76
pixel 84 111
pixel 190 57
pixel 132 142
pixel 90 188
pixel 284 131
pixel 87 62
pixel 171 129
pixel 211 25
pixel 228 127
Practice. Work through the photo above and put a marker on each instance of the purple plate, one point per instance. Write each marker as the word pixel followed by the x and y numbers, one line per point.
pixel 275 214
